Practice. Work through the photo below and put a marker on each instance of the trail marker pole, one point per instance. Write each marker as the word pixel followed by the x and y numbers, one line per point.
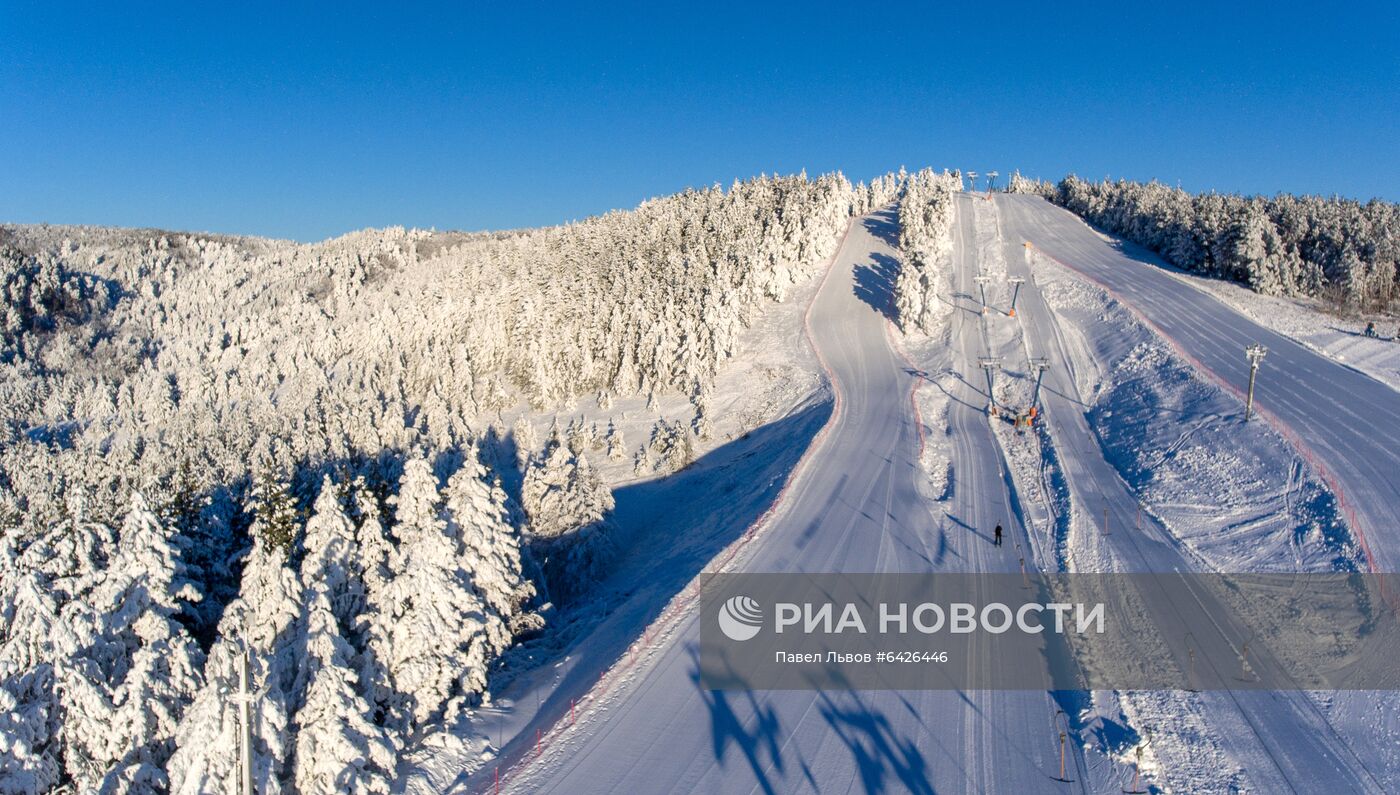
pixel 1040 365
pixel 1059 713
pixel 1192 685
pixel 1137 774
pixel 1062 757
pixel 1255 353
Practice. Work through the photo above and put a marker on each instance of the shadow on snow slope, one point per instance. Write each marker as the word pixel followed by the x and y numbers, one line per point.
pixel 668 530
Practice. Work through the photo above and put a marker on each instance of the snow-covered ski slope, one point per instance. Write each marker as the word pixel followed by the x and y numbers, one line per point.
pixel 1264 741
pixel 859 504
pixel 1348 422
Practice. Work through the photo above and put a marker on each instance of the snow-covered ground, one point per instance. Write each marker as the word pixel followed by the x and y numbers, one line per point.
pixel 1310 322
pixel 1229 496
pixel 1235 494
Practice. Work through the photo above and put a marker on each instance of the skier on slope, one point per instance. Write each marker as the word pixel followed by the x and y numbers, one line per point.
pixel 997 540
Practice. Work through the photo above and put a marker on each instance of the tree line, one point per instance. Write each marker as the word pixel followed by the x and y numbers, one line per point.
pixel 1341 250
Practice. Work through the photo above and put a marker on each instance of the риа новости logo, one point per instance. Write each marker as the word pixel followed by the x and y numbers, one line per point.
pixel 740 618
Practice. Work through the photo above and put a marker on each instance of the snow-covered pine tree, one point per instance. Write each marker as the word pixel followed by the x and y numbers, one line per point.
pixel 576 436
pixel 561 492
pixel 331 564
pixel 29 734
pixel 132 685
pixel 617 446
pixel 377 560
pixel 265 620
pixel 206 753
pixel 274 510
pixel 925 238
pixel 36 647
pixel 490 547
pixel 146 550
pixel 567 504
pixel 700 398
pixel 433 622
pixel 671 446
pixel 339 749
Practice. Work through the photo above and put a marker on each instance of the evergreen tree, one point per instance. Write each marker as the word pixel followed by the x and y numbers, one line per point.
pixel 133 682
pixel 490 548
pixel 276 519
pixel 330 565
pixel 265 620
pixel 432 620
pixel 338 747
pixel 617 446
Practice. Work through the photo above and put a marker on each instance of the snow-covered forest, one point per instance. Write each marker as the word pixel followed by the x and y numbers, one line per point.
pixel 218 446
pixel 925 239
pixel 1341 250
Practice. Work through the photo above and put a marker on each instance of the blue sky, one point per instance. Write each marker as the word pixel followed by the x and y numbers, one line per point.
pixel 302 123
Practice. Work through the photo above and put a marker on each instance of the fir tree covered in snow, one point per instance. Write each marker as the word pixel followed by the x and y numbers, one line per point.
pixel 568 506
pixel 435 626
pixel 338 747
pixel 132 684
pixel 330 565
pixel 490 545
pixel 671 447
pixel 925 239
pixel 266 622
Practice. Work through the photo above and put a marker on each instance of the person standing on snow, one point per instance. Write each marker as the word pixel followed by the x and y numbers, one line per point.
pixel 997 540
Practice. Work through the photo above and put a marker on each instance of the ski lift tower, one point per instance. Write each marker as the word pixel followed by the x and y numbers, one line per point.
pixel 1040 365
pixel 982 282
pixel 990 364
pixel 1255 354
pixel 972 181
pixel 992 180
pixel 1016 282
